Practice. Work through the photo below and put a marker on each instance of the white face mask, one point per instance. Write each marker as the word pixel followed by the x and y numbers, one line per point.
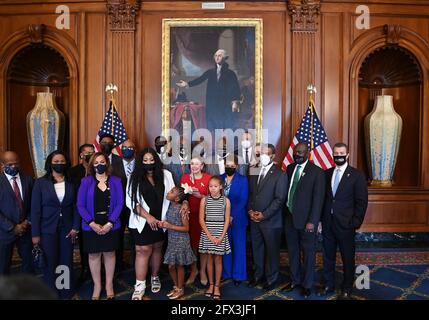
pixel 246 144
pixel 265 159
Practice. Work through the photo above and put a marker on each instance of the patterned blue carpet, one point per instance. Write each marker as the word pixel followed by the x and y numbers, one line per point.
pixel 393 276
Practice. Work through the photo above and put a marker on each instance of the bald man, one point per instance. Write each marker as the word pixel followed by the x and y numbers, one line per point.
pixel 223 93
pixel 15 200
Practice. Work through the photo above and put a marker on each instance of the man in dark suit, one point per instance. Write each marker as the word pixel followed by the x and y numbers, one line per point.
pixel 76 174
pixel 223 93
pixel 107 144
pixel 267 195
pixel 303 209
pixel 344 210
pixel 15 208
pixel 124 169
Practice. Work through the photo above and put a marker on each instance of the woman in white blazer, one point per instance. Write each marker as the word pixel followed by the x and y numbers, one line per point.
pixel 146 199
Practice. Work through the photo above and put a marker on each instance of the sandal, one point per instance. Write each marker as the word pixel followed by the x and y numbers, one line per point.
pixel 178 294
pixel 172 292
pixel 139 291
pixel 216 296
pixel 155 284
pixel 209 293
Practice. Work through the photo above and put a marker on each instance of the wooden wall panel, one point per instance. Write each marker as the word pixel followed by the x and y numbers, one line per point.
pixel 94 77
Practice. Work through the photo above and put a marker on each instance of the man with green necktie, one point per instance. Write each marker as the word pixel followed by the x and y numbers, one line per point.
pixel 303 209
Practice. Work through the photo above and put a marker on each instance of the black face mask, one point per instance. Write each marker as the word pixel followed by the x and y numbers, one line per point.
pixel 298 159
pixel 340 160
pixel 107 148
pixel 59 167
pixel 148 167
pixel 230 171
pixel 87 157
pixel 100 168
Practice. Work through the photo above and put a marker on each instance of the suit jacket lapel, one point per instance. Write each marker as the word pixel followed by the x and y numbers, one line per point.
pixel 264 179
pixel 329 178
pixel 7 185
pixel 304 172
pixel 344 178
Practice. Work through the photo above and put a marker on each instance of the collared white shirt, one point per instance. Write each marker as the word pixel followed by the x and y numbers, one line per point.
pixel 341 172
pixel 218 70
pixel 265 170
pixel 221 163
pixel 183 160
pixel 126 163
pixel 249 154
pixel 18 181
pixel 60 190
pixel 293 174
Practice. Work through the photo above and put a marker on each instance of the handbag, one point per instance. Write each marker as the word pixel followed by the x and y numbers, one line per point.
pixel 39 259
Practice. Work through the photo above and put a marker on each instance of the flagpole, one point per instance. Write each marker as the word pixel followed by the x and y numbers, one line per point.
pixel 311 89
pixel 111 88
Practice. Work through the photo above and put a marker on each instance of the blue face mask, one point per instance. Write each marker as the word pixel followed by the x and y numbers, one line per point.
pixel 10 170
pixel 127 153
pixel 101 168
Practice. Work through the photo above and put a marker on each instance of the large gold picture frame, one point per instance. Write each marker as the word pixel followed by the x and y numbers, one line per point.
pixel 167 27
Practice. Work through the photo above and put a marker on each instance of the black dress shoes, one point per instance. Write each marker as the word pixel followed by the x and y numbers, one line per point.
pixel 345 295
pixel 324 291
pixel 289 287
pixel 270 286
pixel 254 282
pixel 305 292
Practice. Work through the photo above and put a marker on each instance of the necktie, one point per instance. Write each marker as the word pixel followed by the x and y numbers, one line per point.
pixel 247 156
pixel 262 175
pixel 18 196
pixel 336 181
pixel 129 169
pixel 218 73
pixel 295 181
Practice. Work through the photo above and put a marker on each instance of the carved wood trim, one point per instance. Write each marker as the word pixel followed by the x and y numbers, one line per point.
pixel 392 32
pixel 122 15
pixel 36 32
pixel 304 15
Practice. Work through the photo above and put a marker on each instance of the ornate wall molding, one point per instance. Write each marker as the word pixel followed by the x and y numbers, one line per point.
pixel 304 15
pixel 36 32
pixel 122 15
pixel 393 33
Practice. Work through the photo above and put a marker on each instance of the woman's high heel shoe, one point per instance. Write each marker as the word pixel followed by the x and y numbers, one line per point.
pixel 209 293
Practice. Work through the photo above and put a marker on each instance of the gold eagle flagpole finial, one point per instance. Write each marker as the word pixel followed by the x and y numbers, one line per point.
pixel 112 88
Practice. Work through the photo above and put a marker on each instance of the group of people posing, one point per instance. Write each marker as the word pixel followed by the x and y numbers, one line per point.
pixel 202 212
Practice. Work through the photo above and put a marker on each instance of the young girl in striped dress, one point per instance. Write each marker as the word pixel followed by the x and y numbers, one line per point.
pixel 214 219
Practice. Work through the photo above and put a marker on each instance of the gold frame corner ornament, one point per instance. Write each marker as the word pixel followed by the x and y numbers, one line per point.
pixel 168 23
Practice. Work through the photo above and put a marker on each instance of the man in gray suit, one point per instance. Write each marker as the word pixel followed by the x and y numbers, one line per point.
pixel 267 196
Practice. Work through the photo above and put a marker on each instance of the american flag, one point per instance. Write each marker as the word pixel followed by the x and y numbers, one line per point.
pixel 315 137
pixel 113 125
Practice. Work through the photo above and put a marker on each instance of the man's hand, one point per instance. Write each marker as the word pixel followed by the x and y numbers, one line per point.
pixel 309 227
pixel 259 216
pixel 235 106
pixel 182 84
pixel 20 229
pixel 73 235
pixel 35 240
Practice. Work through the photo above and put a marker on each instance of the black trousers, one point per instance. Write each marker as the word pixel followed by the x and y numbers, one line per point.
pixel 125 217
pixel 298 240
pixel 24 246
pixel 333 236
pixel 266 251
